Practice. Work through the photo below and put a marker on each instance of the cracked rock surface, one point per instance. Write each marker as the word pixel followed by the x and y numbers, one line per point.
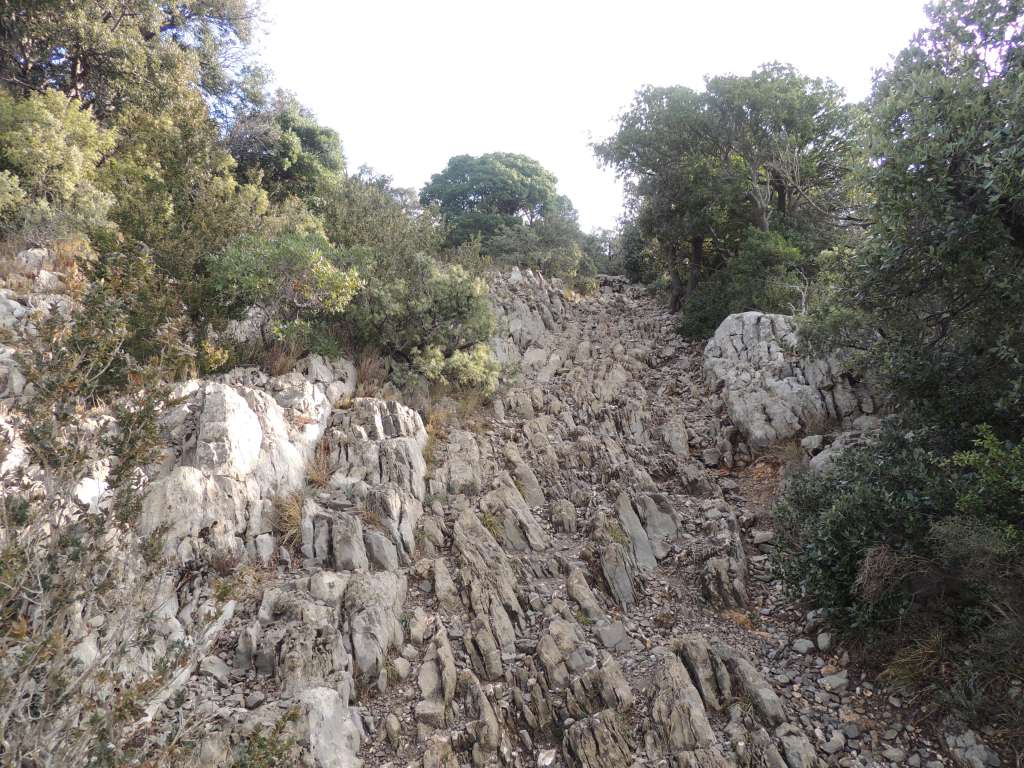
pixel 565 582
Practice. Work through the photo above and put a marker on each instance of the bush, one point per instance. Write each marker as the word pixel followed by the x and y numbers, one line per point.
pixel 413 302
pixel 129 318
pixel 551 246
pixel 475 369
pixel 767 275
pixel 836 528
pixel 296 278
pixel 920 557
pixel 176 191
pixel 75 694
pixel 49 152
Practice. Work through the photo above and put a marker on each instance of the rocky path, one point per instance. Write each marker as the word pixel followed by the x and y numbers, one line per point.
pixel 585 579
pixel 561 577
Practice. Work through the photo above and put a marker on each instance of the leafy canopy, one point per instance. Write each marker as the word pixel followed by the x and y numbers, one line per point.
pixel 479 195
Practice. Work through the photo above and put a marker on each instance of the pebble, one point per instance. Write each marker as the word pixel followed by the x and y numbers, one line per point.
pixel 803 646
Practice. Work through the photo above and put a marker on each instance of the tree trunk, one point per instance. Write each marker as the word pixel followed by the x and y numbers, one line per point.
pixel 678 288
pixel 761 218
pixel 696 264
pixel 780 199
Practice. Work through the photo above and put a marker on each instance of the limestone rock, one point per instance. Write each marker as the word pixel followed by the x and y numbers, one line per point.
pixel 769 392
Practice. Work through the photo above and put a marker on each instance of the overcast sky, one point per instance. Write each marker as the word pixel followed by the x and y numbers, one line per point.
pixel 409 84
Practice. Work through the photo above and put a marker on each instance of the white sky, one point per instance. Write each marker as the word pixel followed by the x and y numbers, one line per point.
pixel 409 84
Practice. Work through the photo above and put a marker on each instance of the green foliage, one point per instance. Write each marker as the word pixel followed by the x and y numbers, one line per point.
pixel 479 195
pixel 413 302
pixel 109 357
pixel 274 749
pixel 993 484
pixel 938 284
pixel 900 544
pixel 366 210
pixel 918 545
pixel 768 274
pixel 551 246
pixel 128 329
pixel 49 151
pixel 289 276
pixel 474 369
pixel 770 150
pixel 129 54
pixel 882 497
pixel 175 188
pixel 284 148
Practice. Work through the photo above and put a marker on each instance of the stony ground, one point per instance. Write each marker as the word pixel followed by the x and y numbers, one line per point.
pixel 604 597
pixel 575 574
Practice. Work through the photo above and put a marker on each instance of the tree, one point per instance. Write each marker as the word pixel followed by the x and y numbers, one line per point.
pixel 919 534
pixel 786 138
pixel 283 147
pixel 666 149
pixel 770 148
pixel 50 149
pixel 938 288
pixel 108 55
pixel 479 195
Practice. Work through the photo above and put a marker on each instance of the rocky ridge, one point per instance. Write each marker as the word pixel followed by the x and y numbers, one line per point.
pixel 561 577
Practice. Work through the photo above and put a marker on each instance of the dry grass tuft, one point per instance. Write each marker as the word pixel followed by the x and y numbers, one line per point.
pixel 280 358
pixel 491 522
pixel 319 471
pixel 372 519
pixel 920 663
pixel 879 572
pixel 224 562
pixel 739 618
pixel 370 373
pixel 287 518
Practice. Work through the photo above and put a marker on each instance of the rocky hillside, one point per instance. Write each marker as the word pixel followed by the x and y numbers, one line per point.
pixel 574 574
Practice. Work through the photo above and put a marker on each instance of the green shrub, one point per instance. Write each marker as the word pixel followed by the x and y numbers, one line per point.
pixel 411 302
pixel 921 557
pixel 841 530
pixel 474 369
pixel 767 275
pixel 551 246
pixel 129 329
pixel 110 356
pixel 176 190
pixel 993 483
pixel 297 278
pixel 275 748
pixel 50 149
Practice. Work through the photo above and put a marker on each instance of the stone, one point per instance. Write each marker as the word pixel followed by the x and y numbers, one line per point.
pixel 579 590
pixel 770 394
pixel 643 553
pixel 331 728
pixel 677 712
pixel 444 587
pixel 803 646
pixel 393 729
pixel 598 741
pixel 612 635
pixel 563 516
pixel 329 587
pixel 894 755
pixel 835 683
pixel 835 744
pixel 213 666
pixel 348 543
pixel 618 570
pixel 380 552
